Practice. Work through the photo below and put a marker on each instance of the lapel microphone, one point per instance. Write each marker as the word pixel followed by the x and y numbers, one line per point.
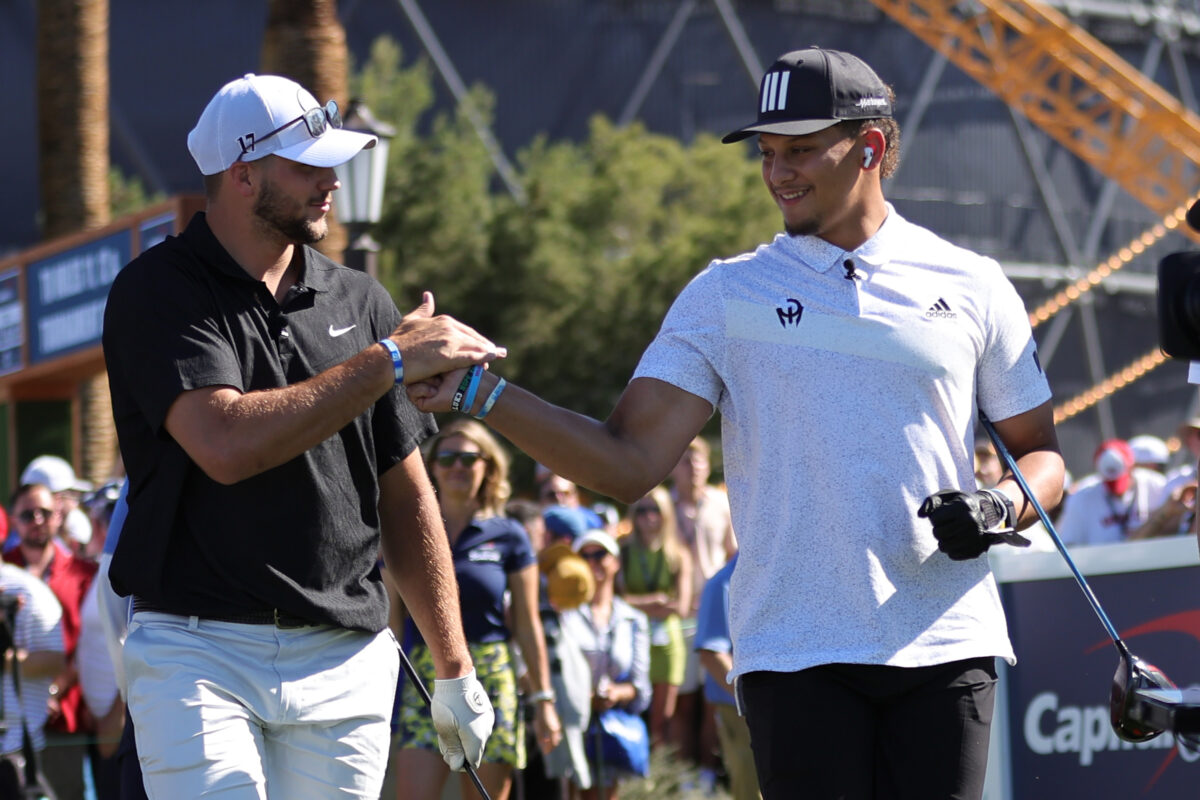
pixel 848 265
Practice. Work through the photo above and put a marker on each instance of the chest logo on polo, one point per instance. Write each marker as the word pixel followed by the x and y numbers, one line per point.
pixel 486 553
pixel 336 332
pixel 791 314
pixel 940 310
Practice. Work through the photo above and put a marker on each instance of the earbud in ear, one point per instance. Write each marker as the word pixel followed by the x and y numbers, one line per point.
pixel 868 155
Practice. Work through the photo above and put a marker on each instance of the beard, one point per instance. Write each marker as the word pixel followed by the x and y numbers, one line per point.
pixel 808 227
pixel 283 217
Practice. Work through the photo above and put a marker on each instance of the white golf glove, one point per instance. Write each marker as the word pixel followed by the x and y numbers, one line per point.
pixel 463 718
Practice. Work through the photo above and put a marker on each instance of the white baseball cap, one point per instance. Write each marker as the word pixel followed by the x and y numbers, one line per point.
pixel 79 527
pixel 1149 449
pixel 599 537
pixel 55 474
pixel 1110 464
pixel 260 115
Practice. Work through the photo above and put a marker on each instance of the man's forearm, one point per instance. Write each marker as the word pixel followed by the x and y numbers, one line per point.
pixel 1042 471
pixel 573 445
pixel 418 556
pixel 623 457
pixel 256 431
pixel 717 664
pixel 41 663
pixel 233 435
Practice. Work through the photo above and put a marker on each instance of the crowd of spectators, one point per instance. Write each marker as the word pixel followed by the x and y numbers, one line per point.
pixel 617 595
pixel 571 608
pixel 67 701
pixel 1143 487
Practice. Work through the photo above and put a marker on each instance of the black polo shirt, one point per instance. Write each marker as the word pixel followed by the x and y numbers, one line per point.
pixel 302 537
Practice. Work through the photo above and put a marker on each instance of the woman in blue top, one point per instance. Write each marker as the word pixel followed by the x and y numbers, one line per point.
pixel 492 556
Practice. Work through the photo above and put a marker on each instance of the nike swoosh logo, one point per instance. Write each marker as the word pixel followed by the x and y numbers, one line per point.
pixel 336 332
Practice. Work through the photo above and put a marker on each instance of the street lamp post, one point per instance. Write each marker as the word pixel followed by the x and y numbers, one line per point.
pixel 360 200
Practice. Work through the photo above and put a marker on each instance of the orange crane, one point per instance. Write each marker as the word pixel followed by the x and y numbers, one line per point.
pixel 1073 87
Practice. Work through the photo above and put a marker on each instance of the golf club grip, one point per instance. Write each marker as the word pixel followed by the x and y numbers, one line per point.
pixel 416 679
pixel 1011 463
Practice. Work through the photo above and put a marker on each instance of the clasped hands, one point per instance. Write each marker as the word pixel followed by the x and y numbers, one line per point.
pixel 431 345
pixel 437 350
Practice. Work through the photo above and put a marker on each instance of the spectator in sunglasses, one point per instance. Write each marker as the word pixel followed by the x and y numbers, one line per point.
pixel 615 639
pixel 36 516
pixel 492 556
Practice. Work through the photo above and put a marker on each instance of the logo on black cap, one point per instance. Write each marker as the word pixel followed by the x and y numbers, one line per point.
pixel 806 91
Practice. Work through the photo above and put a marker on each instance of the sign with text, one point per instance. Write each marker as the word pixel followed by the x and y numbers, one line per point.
pixel 66 294
pixel 12 322
pixel 1059 733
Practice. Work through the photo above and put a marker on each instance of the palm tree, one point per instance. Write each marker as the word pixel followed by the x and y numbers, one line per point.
pixel 305 41
pixel 72 91
pixel 73 164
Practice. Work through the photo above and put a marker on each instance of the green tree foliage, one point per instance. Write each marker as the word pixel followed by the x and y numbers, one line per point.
pixel 614 228
pixel 127 194
pixel 576 281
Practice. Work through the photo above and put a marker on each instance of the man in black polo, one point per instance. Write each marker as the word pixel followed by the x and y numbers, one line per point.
pixel 258 394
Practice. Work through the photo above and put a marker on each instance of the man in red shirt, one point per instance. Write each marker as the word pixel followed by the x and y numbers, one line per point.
pixel 37 517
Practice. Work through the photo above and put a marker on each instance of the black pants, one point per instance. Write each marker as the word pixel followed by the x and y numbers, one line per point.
pixel 867 732
pixel 130 768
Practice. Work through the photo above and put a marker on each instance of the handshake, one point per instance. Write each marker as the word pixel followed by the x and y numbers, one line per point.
pixel 442 362
pixel 966 524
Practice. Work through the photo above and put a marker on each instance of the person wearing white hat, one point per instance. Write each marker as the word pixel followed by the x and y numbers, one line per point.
pixel 1189 439
pixel 57 475
pixel 1115 502
pixel 615 638
pixel 257 390
pixel 1150 452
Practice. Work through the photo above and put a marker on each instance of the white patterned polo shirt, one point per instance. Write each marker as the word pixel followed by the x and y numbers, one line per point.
pixel 845 402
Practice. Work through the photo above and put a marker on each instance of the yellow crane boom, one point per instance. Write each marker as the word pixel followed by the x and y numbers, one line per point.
pixel 1073 87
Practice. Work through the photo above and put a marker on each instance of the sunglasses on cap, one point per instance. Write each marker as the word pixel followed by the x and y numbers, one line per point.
pixel 317 120
pixel 447 458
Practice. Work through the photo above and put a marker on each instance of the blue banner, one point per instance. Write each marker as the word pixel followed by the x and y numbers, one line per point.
pixel 12 322
pixel 154 230
pixel 1062 744
pixel 66 294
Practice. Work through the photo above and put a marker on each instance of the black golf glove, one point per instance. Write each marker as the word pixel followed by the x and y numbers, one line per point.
pixel 966 524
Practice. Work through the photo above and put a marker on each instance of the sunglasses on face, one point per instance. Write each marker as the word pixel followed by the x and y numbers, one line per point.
pixel 447 458
pixel 317 120
pixel 640 511
pixel 30 515
pixel 593 556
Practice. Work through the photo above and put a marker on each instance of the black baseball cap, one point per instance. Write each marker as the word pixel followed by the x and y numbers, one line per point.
pixel 806 91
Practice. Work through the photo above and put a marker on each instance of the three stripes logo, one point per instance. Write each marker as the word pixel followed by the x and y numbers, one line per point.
pixel 774 91
pixel 940 310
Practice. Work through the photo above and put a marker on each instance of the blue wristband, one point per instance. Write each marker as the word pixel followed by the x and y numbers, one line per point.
pixel 473 389
pixel 397 361
pixel 492 398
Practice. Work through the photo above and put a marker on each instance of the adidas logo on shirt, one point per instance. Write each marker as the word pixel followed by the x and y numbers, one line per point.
pixel 940 310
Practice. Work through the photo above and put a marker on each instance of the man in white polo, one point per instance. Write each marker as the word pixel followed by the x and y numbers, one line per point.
pixel 848 358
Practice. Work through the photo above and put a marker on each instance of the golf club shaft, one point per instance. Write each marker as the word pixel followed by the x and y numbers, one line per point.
pixel 1011 463
pixel 416 680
